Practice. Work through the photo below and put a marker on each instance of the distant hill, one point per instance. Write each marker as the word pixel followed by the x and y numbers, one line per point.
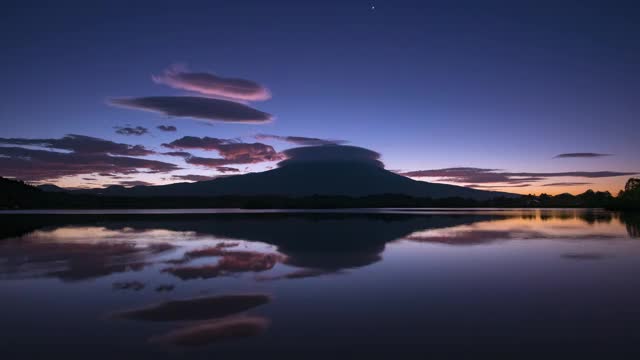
pixel 298 180
pixel 51 188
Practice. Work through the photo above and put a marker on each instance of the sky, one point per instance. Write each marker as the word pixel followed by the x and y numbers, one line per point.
pixel 518 96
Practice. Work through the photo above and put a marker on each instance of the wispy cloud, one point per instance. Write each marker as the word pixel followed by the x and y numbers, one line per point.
pixel 180 77
pixel 167 128
pixel 580 155
pixel 227 169
pixel 127 130
pixel 478 186
pixel 82 144
pixel 196 108
pixel 567 184
pixel 192 177
pixel 482 176
pixel 131 183
pixel 300 140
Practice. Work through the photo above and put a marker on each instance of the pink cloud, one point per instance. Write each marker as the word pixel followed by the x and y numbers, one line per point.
pixel 180 77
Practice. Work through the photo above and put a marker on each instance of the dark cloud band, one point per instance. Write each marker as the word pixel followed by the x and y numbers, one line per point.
pixel 300 140
pixel 82 144
pixel 580 155
pixel 567 184
pixel 167 128
pixel 197 108
pixel 481 176
pixel 137 131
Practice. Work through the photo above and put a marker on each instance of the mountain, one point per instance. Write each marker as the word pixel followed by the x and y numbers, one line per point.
pixel 306 179
pixel 51 188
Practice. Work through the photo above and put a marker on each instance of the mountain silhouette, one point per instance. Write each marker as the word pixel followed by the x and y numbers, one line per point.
pixel 307 179
pixel 325 170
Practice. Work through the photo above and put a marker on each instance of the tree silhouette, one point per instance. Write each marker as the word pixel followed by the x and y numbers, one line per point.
pixel 633 185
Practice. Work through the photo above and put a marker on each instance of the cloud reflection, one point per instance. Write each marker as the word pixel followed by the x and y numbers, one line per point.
pixel 199 308
pixel 230 262
pixel 557 225
pixel 213 331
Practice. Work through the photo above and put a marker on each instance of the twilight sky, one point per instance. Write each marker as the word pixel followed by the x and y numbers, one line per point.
pixel 520 96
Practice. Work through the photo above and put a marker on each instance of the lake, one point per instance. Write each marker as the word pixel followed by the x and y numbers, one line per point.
pixel 240 284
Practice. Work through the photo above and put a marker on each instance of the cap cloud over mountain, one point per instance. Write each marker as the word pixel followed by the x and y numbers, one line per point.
pixel 331 154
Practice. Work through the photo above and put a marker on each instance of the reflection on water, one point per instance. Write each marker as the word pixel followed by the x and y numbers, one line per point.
pixel 375 283
pixel 196 309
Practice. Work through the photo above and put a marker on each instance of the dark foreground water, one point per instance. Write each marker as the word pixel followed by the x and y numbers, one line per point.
pixel 380 284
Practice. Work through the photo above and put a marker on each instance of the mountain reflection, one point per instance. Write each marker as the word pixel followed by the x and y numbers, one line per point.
pixel 204 246
pixel 322 242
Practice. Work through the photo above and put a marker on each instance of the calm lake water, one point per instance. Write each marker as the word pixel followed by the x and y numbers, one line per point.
pixel 375 283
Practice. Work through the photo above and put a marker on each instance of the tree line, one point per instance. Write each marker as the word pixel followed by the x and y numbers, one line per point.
pixel 15 194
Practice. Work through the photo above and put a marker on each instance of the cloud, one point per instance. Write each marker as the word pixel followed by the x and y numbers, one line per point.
pixel 182 154
pixel 468 175
pixel 131 183
pixel 82 144
pixel 300 274
pixel 206 162
pixel 230 262
pixel 128 285
pixel 36 165
pixel 137 131
pixel 226 169
pixel 82 155
pixel 168 128
pixel 180 77
pixel 114 176
pixel 165 287
pixel 481 176
pixel 583 256
pixel 198 308
pixel 300 140
pixel 192 177
pixel 580 155
pixel 197 108
pixel 331 154
pixel 452 236
pixel 478 186
pixel 193 142
pixel 232 152
pixel 567 184
pixel 213 331
pixel 47 255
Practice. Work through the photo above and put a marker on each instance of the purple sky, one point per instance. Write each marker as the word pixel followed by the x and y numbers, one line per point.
pixel 527 96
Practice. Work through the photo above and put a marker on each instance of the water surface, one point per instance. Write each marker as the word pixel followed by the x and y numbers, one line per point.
pixel 375 283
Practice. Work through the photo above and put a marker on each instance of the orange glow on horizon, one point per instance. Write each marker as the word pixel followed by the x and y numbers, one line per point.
pixel 612 185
